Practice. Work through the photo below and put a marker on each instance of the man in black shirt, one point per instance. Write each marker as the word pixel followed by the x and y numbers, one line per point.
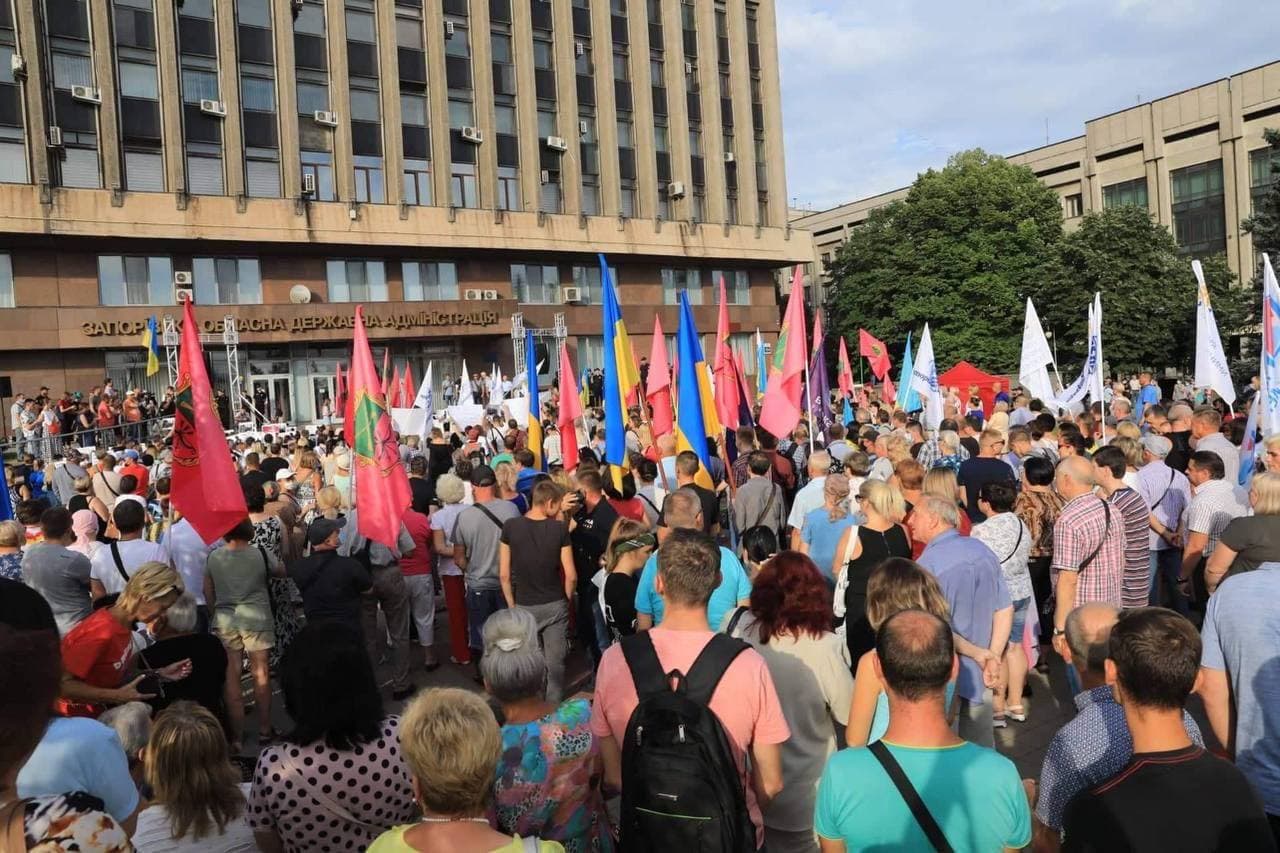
pixel 984 467
pixel 422 489
pixel 593 521
pixel 1172 795
pixel 331 584
pixel 253 476
pixel 274 463
pixel 687 465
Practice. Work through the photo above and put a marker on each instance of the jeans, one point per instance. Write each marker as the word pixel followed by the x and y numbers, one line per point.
pixel 553 635
pixel 389 592
pixel 481 604
pixel 1166 565
pixel 422 605
pixel 587 627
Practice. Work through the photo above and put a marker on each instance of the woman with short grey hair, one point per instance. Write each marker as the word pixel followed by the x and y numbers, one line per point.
pixel 177 638
pixel 548 778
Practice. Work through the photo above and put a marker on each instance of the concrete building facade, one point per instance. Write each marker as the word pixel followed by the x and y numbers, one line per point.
pixel 1195 159
pixel 449 163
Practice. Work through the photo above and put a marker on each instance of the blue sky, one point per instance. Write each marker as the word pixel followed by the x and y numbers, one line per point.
pixel 873 93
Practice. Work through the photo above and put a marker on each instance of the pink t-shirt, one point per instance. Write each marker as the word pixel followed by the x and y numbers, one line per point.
pixel 745 700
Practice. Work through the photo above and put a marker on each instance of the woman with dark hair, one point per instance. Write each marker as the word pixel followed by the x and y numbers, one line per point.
pixel 789 624
pixel 759 544
pixel 624 500
pixel 338 781
pixel 1038 505
pixel 271 535
pixel 30 673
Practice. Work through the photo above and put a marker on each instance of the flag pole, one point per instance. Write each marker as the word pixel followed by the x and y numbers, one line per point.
pixel 644 419
pixel 808 395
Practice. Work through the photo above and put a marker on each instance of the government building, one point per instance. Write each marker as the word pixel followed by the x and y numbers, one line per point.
pixel 1195 159
pixel 454 165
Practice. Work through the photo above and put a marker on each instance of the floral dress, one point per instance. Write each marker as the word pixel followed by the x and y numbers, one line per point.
pixel 65 823
pixel 269 535
pixel 11 566
pixel 548 781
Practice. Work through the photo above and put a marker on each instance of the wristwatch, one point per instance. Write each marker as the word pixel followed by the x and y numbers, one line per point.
pixel 1057 632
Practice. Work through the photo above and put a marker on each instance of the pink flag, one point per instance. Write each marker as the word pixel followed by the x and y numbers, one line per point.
pixel 727 388
pixel 570 411
pixel 382 487
pixel 658 389
pixel 781 410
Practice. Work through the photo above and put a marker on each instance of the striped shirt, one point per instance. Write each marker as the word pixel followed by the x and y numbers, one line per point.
pixel 1167 492
pixel 1134 514
pixel 1088 526
pixel 1213 504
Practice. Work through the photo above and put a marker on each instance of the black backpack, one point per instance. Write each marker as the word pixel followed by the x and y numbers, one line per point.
pixel 681 789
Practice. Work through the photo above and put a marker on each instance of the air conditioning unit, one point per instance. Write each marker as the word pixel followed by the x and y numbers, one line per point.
pixel 184 294
pixel 490 295
pixel 473 295
pixel 472 134
pixel 448 29
pixel 55 136
pixel 213 108
pixel 688 68
pixel 295 6
pixel 326 118
pixel 17 65
pixel 87 94
pixel 571 295
pixel 308 184
pixel 675 189
pixel 546 176
pixel 729 157
pixel 557 143
pixel 584 127
pixel 181 278
pixel 579 49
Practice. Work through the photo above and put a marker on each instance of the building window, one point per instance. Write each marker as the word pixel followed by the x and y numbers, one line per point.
pixel 550 198
pixel 587 280
pixel 535 285
pixel 357 281
pixel 227 281
pixel 508 189
pixel 737 286
pixel 6 282
pixel 135 280
pixel 1073 206
pixel 628 200
pixel 370 186
pixel 674 281
pixel 1199 214
pixel 319 165
pixel 417 182
pixel 463 189
pixel 1263 166
pixel 1126 192
pixel 429 280
pixel 590 352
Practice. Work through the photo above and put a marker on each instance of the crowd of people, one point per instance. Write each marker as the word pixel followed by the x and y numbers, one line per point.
pixel 808 645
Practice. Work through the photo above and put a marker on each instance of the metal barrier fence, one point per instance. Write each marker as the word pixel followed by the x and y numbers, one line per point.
pixel 43 446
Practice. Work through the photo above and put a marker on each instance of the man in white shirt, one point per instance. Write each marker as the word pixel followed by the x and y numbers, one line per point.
pixel 1206 424
pixel 810 497
pixel 113 564
pixel 189 554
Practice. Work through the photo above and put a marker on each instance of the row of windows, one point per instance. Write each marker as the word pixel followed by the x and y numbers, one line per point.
pixel 149 280
pixel 743 344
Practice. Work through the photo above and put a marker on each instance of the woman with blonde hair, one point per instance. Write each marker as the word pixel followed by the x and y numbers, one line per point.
pixel 1249 541
pixel 451 744
pixel 505 474
pixel 999 420
pixel 825 526
pixel 12 537
pixel 197 802
pixel 84 498
pixel 630 544
pixel 329 504
pixel 895 585
pixel 861 548
pixel 1132 450
pixel 307 477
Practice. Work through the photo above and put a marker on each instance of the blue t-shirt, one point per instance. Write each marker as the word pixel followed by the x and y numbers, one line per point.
pixel 80 754
pixel 734 586
pixel 1149 395
pixel 822 535
pixel 973 793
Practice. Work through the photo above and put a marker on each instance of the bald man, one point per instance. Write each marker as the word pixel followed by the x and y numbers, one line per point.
pixel 1088 544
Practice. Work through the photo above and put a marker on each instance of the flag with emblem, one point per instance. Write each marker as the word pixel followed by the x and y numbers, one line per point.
pixel 728 389
pixel 844 371
pixel 781 409
pixel 875 352
pixel 382 488
pixel 204 485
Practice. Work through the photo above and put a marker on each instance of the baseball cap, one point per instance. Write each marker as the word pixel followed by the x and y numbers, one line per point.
pixel 322 528
pixel 1157 445
pixel 483 476
pixel 284 474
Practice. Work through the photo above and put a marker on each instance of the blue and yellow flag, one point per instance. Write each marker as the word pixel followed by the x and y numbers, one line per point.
pixel 534 426
pixel 621 375
pixel 695 406
pixel 151 343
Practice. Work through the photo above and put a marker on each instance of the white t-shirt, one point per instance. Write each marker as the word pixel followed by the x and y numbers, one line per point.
pixel 443 519
pixel 154 835
pixel 189 555
pixel 133 553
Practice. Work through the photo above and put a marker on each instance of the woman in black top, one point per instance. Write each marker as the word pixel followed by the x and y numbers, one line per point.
pixel 85 499
pixel 629 547
pixel 879 536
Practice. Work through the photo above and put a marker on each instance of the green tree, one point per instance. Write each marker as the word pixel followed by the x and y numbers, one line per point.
pixel 961 252
pixel 1148 293
pixel 1264 224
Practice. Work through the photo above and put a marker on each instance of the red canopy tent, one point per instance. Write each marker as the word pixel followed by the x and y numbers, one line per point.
pixel 965 374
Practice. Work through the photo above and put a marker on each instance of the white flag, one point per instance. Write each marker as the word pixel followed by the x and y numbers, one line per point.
pixel 1032 374
pixel 426 401
pixel 924 381
pixel 1269 372
pixel 466 394
pixel 1090 377
pixel 1211 360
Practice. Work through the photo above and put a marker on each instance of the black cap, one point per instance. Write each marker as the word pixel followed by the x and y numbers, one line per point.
pixel 483 476
pixel 322 528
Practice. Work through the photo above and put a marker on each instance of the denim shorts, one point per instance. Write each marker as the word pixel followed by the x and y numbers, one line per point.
pixel 1019 620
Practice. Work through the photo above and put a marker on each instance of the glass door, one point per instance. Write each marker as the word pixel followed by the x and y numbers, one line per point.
pixel 273 397
pixel 323 395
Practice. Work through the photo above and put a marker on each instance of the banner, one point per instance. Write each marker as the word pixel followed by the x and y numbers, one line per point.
pixel 1212 370
pixel 1032 373
pixel 1091 373
pixel 1269 372
pixel 924 381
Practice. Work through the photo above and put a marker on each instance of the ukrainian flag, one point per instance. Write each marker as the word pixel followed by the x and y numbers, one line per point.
pixel 534 426
pixel 695 405
pixel 151 343
pixel 621 376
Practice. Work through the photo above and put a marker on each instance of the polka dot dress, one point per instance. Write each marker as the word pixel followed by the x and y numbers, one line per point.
pixel 323 800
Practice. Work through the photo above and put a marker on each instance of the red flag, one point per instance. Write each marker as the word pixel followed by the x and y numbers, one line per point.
pixel 204 487
pixel 728 392
pixel 409 391
pixel 393 390
pixel 817 332
pixel 890 392
pixel 781 409
pixel 658 389
pixel 633 395
pixel 339 391
pixel 382 489
pixel 349 412
pixel 570 411
pixel 875 352
pixel 386 363
pixel 845 373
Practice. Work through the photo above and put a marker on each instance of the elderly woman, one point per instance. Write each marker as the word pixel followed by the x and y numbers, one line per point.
pixel 547 782
pixel 84 498
pixel 825 526
pixel 1249 541
pixel 12 537
pixel 177 639
pixel 328 505
pixel 505 473
pixel 29 682
pixel 338 780
pixel 1010 540
pixel 85 525
pixel 452 746
pixel 450 493
pixel 789 624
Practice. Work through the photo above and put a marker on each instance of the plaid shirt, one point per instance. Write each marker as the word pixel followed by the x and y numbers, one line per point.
pixel 1213 505
pixel 1081 528
pixel 930 455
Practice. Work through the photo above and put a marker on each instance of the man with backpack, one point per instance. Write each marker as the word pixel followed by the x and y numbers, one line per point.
pixel 680 754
